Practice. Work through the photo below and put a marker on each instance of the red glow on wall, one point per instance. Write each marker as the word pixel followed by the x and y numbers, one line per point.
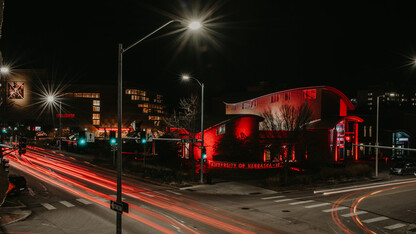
pixel 245 126
pixel 342 108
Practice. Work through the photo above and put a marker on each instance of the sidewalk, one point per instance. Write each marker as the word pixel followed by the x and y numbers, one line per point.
pixel 11 212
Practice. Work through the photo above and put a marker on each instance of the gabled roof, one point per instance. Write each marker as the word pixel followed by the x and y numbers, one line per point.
pixel 350 106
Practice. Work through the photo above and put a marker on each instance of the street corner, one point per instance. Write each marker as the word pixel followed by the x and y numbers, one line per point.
pixel 13 215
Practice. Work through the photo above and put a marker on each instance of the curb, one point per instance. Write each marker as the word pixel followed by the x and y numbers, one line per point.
pixel 13 216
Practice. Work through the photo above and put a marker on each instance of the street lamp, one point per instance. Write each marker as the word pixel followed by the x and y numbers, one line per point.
pixel 187 77
pixel 51 99
pixel 377 123
pixel 194 25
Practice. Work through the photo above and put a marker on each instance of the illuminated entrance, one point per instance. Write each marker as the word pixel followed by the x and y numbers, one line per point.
pixel 400 139
pixel 343 136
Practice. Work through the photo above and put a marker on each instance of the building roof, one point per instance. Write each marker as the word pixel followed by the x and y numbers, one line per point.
pixel 330 123
pixel 350 106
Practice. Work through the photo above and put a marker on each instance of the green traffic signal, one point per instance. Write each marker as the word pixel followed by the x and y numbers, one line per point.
pixel 144 140
pixel 82 141
pixel 113 141
pixel 3 130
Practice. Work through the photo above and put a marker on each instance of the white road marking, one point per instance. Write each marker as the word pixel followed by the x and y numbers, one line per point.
pixel 84 201
pixel 267 198
pixel 301 202
pixel 375 219
pixel 67 204
pixel 317 205
pixel 48 206
pixel 352 214
pixel 283 200
pixel 335 209
pixel 395 226
pixel 173 192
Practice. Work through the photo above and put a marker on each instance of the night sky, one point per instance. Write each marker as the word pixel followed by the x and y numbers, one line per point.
pixel 347 45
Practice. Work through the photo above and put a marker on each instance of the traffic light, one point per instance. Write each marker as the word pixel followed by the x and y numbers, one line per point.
pixel 112 138
pixel 204 154
pixel 143 137
pixel 22 145
pixel 82 139
pixel 3 130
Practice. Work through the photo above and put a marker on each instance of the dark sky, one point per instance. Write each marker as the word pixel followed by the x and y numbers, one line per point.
pixel 348 44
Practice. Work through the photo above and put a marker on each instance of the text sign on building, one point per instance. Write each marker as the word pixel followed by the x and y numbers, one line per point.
pixel 239 165
pixel 16 89
pixel 65 115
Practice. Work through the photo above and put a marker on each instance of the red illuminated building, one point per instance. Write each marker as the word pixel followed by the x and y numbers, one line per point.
pixel 333 131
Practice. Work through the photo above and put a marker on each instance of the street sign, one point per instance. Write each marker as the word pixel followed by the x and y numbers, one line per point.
pixel 119 207
pixel 189 140
pixel 90 136
pixel 149 137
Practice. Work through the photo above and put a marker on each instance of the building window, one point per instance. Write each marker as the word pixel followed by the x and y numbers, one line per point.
pixel 96 108
pixel 287 96
pixel 370 131
pixel 96 102
pixel 95 116
pixel 221 130
pixel 309 94
pixel 365 131
pixel 274 98
pixel 370 94
pixel 95 122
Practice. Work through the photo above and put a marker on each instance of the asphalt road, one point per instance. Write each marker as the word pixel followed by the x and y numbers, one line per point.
pixel 69 196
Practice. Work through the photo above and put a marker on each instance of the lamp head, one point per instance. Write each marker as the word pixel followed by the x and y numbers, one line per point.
pixel 185 77
pixel 50 98
pixel 4 70
pixel 194 25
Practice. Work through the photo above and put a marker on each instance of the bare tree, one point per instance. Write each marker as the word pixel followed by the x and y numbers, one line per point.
pixel 285 126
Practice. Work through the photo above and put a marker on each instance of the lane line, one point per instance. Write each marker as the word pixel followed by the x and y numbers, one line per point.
pixel 335 209
pixel 48 206
pixel 375 219
pixel 67 204
pixel 267 198
pixel 170 191
pixel 395 226
pixel 356 213
pixel 84 201
pixel 301 202
pixel 317 205
pixel 283 200
pixel 149 195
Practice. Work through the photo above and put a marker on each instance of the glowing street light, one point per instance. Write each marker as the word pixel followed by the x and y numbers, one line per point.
pixel 192 26
pixel 187 77
pixel 4 70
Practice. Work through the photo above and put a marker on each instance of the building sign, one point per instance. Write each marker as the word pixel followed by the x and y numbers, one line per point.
pixel 65 115
pixel 16 89
pixel 113 129
pixel 240 165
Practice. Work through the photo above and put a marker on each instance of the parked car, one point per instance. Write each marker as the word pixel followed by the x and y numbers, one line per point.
pixel 18 184
pixel 403 168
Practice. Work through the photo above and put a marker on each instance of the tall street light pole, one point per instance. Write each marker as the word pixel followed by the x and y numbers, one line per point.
pixel 193 25
pixel 60 125
pixel 186 77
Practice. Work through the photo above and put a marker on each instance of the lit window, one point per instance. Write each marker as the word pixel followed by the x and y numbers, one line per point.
pixel 96 122
pixel 95 108
pixel 370 131
pixel 365 131
pixel 96 102
pixel 308 94
pixel 274 98
pixel 128 91
pixel 370 94
pixel 134 91
pixel 95 116
pixel 221 130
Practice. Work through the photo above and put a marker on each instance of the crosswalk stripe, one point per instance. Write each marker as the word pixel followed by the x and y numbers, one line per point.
pixel 335 209
pixel 283 200
pixel 173 192
pixel 395 226
pixel 48 206
pixel 300 202
pixel 267 198
pixel 84 201
pixel 67 204
pixel 317 205
pixel 375 219
pixel 352 214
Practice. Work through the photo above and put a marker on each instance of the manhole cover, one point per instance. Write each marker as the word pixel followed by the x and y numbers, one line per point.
pixel 285 210
pixel 245 208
